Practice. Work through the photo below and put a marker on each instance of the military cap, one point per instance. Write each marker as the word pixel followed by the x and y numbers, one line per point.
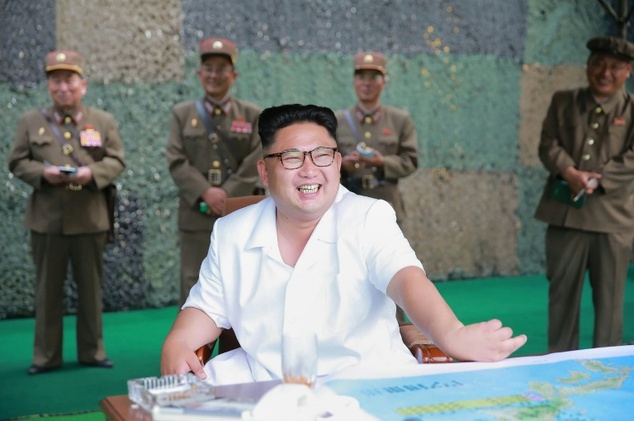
pixel 221 46
pixel 617 47
pixel 370 61
pixel 64 60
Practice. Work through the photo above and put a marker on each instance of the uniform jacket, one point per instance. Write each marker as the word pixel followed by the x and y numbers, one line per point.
pixel 590 137
pixel 191 154
pixel 56 209
pixel 393 135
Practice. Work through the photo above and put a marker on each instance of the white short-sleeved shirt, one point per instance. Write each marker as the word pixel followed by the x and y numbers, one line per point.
pixel 336 289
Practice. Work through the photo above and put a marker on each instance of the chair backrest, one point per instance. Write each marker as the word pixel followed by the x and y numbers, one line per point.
pixel 235 203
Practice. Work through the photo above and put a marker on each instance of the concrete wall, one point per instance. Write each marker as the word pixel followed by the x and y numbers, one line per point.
pixel 475 75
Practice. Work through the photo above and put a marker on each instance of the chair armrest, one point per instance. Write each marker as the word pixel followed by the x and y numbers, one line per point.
pixel 227 341
pixel 204 352
pixel 421 347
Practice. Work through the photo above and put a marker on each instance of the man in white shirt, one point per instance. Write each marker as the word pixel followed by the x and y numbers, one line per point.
pixel 314 257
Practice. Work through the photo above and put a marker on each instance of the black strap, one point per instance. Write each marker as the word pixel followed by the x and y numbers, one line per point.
pixel 59 137
pixel 225 155
pixel 205 117
pixel 353 126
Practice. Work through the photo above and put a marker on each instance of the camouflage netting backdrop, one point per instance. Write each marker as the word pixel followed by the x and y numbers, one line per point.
pixel 476 77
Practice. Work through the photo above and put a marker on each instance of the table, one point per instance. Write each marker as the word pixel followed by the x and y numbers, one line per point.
pixel 118 408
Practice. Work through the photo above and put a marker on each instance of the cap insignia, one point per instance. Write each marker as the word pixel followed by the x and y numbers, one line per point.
pixel 61 57
pixel 217 45
pixel 368 58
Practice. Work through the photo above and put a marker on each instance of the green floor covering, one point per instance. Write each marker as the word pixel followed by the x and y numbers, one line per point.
pixel 133 340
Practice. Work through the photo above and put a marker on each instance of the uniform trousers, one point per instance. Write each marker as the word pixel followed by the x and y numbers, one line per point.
pixel 194 246
pixel 606 257
pixel 51 254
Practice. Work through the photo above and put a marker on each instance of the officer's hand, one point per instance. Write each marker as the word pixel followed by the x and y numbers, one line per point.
pixel 54 176
pixel 215 198
pixel 83 176
pixel 580 180
pixel 376 160
pixel 591 182
pixel 351 162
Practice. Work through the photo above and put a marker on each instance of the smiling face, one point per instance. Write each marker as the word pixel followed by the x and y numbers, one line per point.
pixel 66 88
pixel 368 84
pixel 216 75
pixel 306 193
pixel 606 74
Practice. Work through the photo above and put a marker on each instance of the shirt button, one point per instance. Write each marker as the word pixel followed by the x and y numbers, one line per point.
pixel 586 157
pixel 590 142
pixel 595 125
pixel 598 110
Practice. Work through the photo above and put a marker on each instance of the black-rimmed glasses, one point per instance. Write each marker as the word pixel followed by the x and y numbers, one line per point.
pixel 293 159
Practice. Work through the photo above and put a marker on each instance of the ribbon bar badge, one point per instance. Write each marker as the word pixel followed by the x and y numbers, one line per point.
pixel 241 127
pixel 619 121
pixel 90 138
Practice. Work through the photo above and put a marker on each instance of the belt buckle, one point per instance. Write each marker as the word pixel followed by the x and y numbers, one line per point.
pixel 368 181
pixel 74 187
pixel 215 177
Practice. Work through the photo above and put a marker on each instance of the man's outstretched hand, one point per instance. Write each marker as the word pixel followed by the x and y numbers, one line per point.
pixel 485 341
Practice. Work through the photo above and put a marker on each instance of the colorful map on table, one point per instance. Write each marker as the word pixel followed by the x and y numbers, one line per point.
pixel 583 389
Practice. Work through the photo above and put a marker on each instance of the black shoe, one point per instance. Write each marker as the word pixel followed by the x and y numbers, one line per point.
pixel 38 369
pixel 105 363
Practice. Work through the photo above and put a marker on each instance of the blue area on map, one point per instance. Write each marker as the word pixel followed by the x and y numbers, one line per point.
pixel 594 389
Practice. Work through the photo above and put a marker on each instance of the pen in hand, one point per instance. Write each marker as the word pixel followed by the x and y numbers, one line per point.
pixel 592 183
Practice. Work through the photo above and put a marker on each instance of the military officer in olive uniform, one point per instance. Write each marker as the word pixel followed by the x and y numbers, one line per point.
pixel 69 153
pixel 378 142
pixel 212 150
pixel 587 140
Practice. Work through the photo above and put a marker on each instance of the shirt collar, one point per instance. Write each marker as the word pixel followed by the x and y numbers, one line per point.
pixel 216 108
pixel 365 116
pixel 608 105
pixel 74 117
pixel 265 233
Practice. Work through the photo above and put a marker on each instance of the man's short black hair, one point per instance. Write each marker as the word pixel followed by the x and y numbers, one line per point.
pixel 273 119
